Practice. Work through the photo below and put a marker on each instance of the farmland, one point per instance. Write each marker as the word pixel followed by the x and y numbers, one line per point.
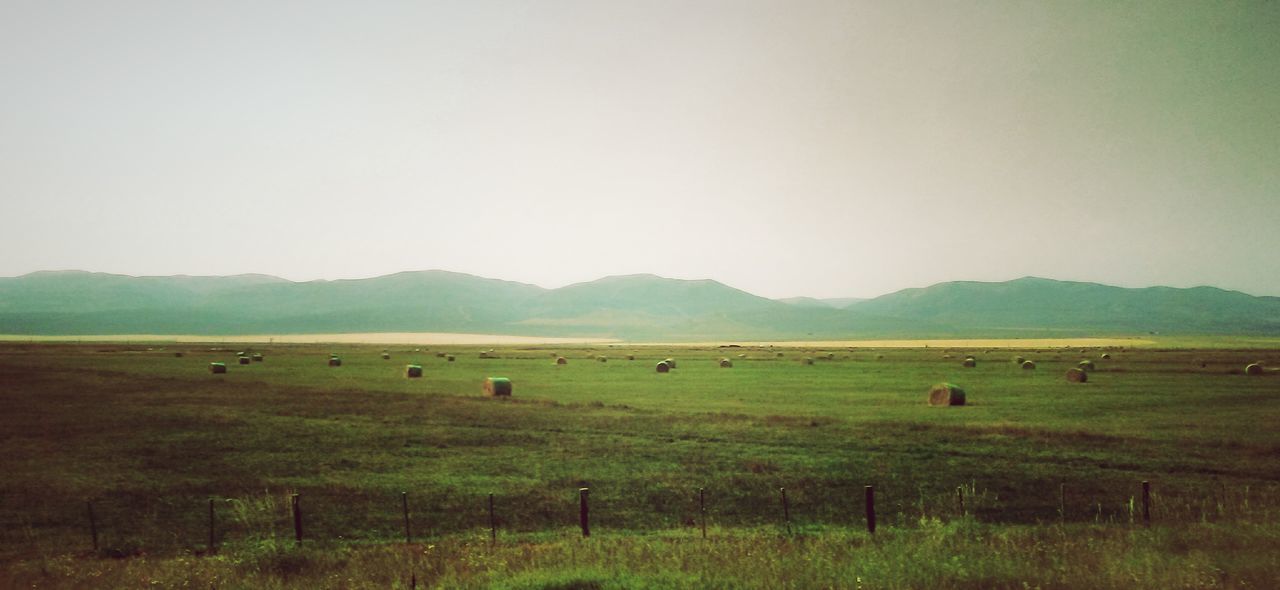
pixel 1035 480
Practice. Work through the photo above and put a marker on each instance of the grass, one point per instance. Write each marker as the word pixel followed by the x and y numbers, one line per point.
pixel 1050 470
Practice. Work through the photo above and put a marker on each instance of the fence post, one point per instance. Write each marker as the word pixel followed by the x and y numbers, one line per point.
pixel 702 510
pixel 297 519
pixel 582 511
pixel 493 523
pixel 93 525
pixel 960 500
pixel 871 509
pixel 1146 503
pixel 213 545
pixel 786 510
pixel 404 505
pixel 1062 503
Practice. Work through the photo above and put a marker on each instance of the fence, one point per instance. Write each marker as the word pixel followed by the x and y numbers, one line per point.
pixel 127 524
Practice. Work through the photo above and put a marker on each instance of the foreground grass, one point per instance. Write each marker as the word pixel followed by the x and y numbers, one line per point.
pixel 961 554
pixel 150 438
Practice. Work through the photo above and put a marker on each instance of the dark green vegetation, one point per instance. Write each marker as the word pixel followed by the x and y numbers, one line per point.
pixel 149 438
pixel 636 307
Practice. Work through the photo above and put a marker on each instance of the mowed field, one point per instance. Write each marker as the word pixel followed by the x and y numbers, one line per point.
pixel 1036 480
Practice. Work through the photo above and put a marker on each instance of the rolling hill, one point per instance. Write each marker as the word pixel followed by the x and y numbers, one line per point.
pixel 635 307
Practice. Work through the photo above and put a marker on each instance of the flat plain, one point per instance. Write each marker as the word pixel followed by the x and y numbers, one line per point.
pixel 1036 482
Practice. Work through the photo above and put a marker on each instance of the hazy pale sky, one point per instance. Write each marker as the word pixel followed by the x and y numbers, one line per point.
pixel 786 148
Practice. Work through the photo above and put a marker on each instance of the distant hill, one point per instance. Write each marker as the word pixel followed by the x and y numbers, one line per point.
pixel 636 307
pixel 1031 304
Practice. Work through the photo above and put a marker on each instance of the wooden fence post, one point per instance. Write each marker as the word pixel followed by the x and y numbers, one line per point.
pixel 213 544
pixel 871 509
pixel 582 512
pixel 702 510
pixel 297 519
pixel 493 524
pixel 1146 503
pixel 786 510
pixel 960 500
pixel 404 505
pixel 93 525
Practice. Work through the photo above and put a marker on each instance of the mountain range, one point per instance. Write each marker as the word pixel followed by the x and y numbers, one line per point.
pixel 632 307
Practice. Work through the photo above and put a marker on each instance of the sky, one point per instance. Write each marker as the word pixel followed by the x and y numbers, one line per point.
pixel 826 149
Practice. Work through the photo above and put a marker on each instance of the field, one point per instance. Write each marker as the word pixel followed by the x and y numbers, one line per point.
pixel 1035 483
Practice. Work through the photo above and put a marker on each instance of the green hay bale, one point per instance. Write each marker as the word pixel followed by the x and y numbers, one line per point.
pixel 662 367
pixel 449 357
pixel 1106 356
pixel 217 368
pixel 1077 376
pixel 335 361
pixel 497 387
pixel 1254 369
pixel 603 359
pixel 1028 365
pixel 1018 360
pixel 1086 365
pixel 386 356
pixel 726 364
pixel 241 353
pixel 631 357
pixel 670 363
pixel 244 360
pixel 178 355
pixel 946 394
pixel 413 371
pixel 257 357
pixel 561 360
pixel 440 355
pixel 970 362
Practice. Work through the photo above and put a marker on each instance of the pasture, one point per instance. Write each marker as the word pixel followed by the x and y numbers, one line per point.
pixel 1034 480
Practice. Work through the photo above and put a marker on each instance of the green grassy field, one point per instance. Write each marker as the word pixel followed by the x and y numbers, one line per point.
pixel 1049 471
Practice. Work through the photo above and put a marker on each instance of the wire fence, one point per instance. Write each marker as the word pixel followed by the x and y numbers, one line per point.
pixel 122 524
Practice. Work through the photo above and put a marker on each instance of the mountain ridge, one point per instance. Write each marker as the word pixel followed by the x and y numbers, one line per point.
pixel 634 306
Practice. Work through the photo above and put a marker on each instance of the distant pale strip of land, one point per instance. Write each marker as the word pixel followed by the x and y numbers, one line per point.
pixel 353 338
pixel 430 338
pixel 954 343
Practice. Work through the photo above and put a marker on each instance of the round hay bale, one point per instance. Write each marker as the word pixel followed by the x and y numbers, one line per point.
pixel 779 355
pixel 807 360
pixel 970 362
pixel 1077 376
pixel 631 357
pixel 726 364
pixel 217 368
pixel 497 387
pixel 879 357
pixel 450 358
pixel 413 371
pixel 386 356
pixel 662 367
pixel 670 363
pixel 603 359
pixel 1254 369
pixel 439 355
pixel 244 360
pixel 178 355
pixel 1018 360
pixel 241 353
pixel 946 394
pixel 257 357
pixel 742 355
pixel 1028 365
pixel 830 356
pixel 561 360
pixel 1086 365
pixel 335 361
pixel 1106 356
